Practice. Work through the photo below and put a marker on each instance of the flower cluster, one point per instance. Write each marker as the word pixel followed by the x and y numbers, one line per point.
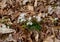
pixel 31 21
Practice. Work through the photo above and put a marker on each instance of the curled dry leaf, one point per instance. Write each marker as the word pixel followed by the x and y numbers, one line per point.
pixel 30 8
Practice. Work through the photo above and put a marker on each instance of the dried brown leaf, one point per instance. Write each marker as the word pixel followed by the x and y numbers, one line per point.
pixel 6 30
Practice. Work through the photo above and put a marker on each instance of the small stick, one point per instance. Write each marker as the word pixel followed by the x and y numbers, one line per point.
pixel 35 4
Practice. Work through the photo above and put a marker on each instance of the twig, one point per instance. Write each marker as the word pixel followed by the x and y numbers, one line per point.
pixel 35 4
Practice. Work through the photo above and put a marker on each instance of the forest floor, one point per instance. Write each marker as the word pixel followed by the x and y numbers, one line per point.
pixel 29 20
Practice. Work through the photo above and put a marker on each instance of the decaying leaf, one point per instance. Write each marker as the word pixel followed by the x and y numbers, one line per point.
pixel 49 39
pixel 15 15
pixel 10 38
pixel 3 4
pixel 57 11
pixel 6 30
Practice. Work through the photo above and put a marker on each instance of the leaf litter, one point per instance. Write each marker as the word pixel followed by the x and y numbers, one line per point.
pixel 29 21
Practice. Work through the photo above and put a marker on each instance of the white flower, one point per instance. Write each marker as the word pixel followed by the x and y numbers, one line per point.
pixel 50 10
pixel 56 19
pixel 29 18
pixel 34 16
pixel 38 18
pixel 22 14
pixel 44 14
pixel 29 23
pixel 24 2
pixel 21 18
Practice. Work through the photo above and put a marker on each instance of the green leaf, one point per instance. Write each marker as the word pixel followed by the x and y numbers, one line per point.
pixel 24 26
pixel 35 26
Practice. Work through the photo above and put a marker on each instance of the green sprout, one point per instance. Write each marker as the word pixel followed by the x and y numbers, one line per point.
pixel 35 25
